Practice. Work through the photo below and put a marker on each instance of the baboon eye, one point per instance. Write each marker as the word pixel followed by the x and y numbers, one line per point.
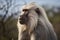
pixel 25 10
pixel 37 11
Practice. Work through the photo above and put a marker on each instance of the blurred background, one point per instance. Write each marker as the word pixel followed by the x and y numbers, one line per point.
pixel 10 11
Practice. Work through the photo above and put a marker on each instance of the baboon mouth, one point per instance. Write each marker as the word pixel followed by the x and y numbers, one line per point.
pixel 22 22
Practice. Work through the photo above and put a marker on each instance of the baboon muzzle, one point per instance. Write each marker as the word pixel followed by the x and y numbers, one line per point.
pixel 23 19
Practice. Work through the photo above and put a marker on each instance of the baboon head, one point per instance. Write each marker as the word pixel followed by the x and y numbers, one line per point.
pixel 29 13
pixel 24 17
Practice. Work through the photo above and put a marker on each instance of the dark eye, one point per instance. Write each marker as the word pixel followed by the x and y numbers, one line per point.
pixel 25 10
pixel 37 11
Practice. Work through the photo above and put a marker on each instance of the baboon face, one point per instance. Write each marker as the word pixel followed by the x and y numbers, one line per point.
pixel 29 15
pixel 24 17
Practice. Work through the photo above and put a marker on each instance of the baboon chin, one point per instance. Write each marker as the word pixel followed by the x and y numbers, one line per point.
pixel 33 24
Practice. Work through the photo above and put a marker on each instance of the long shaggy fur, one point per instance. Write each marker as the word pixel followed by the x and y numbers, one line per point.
pixel 33 24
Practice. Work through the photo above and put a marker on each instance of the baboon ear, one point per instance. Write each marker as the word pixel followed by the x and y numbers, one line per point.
pixel 37 11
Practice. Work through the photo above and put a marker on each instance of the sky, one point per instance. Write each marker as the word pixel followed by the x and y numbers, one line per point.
pixel 49 2
pixel 21 2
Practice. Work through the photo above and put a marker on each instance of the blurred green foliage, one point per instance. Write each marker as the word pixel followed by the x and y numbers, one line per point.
pixel 10 30
pixel 55 20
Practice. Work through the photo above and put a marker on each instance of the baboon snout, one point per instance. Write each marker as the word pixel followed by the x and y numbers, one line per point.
pixel 23 19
